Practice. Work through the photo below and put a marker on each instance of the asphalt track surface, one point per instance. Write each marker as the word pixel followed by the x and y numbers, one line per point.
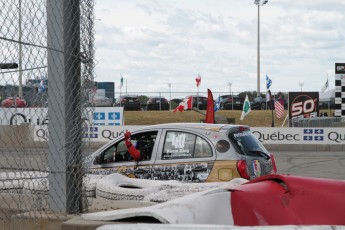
pixel 327 164
pixel 330 165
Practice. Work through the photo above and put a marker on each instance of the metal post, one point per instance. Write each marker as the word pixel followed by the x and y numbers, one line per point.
pixel 258 2
pixel 64 155
pixel 232 102
pixel 258 53
pixel 169 84
pixel 197 100
pixel 20 77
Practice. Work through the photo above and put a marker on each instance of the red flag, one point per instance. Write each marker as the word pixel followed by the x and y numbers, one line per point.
pixel 279 108
pixel 210 108
pixel 198 80
pixel 185 104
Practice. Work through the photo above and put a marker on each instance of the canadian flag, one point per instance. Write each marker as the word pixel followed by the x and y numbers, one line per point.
pixel 185 104
pixel 198 80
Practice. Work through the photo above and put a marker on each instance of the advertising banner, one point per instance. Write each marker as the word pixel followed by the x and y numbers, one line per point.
pixel 305 136
pixel 98 116
pixel 94 133
pixel 303 104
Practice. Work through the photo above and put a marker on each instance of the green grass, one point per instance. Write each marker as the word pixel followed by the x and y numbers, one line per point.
pixel 256 118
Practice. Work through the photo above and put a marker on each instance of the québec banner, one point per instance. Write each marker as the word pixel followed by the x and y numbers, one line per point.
pixel 295 136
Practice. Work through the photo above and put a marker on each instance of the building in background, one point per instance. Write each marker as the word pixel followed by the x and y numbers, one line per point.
pixel 109 88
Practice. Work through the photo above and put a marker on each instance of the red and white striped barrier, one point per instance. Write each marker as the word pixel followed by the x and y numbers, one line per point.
pixel 268 200
pixel 212 227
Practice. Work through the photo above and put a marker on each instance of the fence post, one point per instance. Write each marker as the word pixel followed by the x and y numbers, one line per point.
pixel 64 155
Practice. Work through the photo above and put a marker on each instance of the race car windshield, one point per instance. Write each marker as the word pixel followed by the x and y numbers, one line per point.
pixel 247 144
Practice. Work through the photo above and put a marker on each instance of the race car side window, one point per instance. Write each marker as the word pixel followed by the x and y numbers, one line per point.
pixel 144 142
pixel 180 145
pixel 107 156
pixel 202 148
pixel 115 153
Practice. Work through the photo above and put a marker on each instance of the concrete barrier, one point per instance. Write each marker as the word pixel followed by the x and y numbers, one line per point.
pixel 14 136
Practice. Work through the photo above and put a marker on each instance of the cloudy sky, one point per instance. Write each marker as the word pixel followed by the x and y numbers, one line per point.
pixel 156 42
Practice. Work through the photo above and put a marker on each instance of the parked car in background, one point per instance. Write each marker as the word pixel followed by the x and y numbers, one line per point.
pixel 260 103
pixel 229 102
pixel 199 102
pixel 128 102
pixel 193 152
pixel 175 102
pixel 99 101
pixel 12 102
pixel 157 103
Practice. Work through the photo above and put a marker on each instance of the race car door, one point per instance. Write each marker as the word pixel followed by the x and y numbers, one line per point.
pixel 184 155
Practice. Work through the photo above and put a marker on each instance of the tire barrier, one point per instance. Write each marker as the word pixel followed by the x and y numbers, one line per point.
pixel 116 190
pixel 118 187
pixel 34 182
pixel 11 186
pixel 183 190
pixel 121 188
pixel 89 183
pixel 36 186
pixel 13 182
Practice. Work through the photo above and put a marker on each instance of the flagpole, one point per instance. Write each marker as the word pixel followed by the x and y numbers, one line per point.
pixel 272 113
pixel 120 86
pixel 285 119
pixel 197 99
pixel 271 103
pixel 120 97
pixel 198 81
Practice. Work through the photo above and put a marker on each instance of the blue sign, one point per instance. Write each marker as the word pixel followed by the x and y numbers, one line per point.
pixel 318 138
pixel 318 131
pixel 313 134
pixel 114 116
pixel 308 131
pixel 99 115
pixel 93 129
pixel 308 138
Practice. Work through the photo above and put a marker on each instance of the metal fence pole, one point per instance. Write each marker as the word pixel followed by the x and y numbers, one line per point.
pixel 64 156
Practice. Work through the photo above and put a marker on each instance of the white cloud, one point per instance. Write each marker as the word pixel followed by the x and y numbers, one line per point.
pixel 153 42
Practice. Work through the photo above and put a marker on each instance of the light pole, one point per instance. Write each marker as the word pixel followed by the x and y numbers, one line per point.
pixel 169 85
pixel 229 84
pixel 259 3
pixel 232 101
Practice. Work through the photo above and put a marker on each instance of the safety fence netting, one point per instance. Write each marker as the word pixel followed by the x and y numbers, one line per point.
pixel 46 79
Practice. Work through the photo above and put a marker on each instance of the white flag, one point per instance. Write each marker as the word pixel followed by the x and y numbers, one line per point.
pixel 246 108
pixel 325 87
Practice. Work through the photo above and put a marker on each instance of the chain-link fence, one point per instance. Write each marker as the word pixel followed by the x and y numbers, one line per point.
pixel 43 40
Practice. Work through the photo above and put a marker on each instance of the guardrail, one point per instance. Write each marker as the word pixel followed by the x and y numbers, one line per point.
pixel 318 122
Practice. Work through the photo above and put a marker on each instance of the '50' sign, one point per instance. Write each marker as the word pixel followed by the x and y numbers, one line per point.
pixel 304 105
